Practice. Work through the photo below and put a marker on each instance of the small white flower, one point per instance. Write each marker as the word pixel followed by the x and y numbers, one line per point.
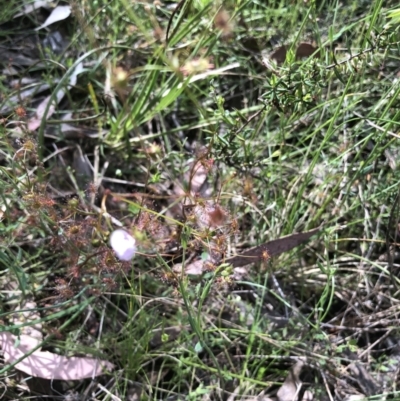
pixel 123 244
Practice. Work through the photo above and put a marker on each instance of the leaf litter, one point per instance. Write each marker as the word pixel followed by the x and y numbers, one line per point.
pixel 208 218
pixel 59 13
pixel 23 351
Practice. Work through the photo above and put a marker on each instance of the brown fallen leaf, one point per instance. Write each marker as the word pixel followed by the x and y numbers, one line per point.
pixel 28 8
pixel 271 248
pixel 58 14
pixel 47 365
pixel 44 110
pixel 193 269
pixel 195 178
pixel 291 387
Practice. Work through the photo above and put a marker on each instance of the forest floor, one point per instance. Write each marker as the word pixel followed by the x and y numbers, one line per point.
pixel 250 153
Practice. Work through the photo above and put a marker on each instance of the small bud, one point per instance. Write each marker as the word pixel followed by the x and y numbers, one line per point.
pixel 96 242
pixel 73 203
pixel 123 244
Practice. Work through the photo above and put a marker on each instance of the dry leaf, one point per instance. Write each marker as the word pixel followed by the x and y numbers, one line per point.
pixel 28 8
pixel 364 379
pixel 193 269
pixel 70 131
pixel 272 248
pixel 196 176
pixel 82 167
pixel 209 215
pixel 46 364
pixel 28 312
pixel 58 14
pixel 36 120
pixel 12 101
pixel 291 386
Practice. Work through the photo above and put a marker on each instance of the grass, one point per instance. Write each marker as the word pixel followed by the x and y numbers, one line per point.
pixel 284 147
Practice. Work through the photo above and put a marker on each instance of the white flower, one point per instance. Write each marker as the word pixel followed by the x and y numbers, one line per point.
pixel 123 244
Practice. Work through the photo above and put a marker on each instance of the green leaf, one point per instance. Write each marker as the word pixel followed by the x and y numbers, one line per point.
pixel 198 348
